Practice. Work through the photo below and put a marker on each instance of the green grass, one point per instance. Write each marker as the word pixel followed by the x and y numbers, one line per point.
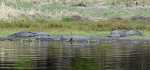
pixel 55 11
pixel 8 31
pixel 99 28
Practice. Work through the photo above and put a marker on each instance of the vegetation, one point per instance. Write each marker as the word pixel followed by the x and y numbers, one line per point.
pixel 54 17
pixel 101 27
pixel 48 9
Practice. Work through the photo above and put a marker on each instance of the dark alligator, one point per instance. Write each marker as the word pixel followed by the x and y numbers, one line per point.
pixel 25 35
pixel 46 37
pixel 125 33
pixel 42 36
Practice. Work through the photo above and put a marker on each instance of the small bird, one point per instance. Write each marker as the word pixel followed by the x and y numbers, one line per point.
pixel 71 40
pixel 136 3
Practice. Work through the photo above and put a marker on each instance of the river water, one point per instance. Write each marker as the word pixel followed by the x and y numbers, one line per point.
pixel 114 54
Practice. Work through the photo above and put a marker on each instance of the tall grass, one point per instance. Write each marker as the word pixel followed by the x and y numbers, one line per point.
pixel 102 25
pixel 46 15
pixel 52 9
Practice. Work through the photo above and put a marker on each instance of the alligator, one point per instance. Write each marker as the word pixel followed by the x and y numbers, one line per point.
pixel 46 37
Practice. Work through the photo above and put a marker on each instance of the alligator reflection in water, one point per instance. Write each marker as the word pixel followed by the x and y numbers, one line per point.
pixel 90 55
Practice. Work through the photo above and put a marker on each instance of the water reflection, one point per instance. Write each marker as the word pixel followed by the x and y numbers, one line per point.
pixel 90 55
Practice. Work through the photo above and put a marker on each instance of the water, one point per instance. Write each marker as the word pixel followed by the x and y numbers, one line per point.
pixel 119 54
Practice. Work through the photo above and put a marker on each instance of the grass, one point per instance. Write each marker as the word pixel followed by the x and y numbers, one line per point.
pixel 8 31
pixel 99 28
pixel 23 15
pixel 20 8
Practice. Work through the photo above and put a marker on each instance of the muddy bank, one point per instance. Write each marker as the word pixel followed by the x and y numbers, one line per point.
pixel 42 36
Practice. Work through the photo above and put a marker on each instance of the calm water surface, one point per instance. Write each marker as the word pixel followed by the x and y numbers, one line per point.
pixel 89 55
